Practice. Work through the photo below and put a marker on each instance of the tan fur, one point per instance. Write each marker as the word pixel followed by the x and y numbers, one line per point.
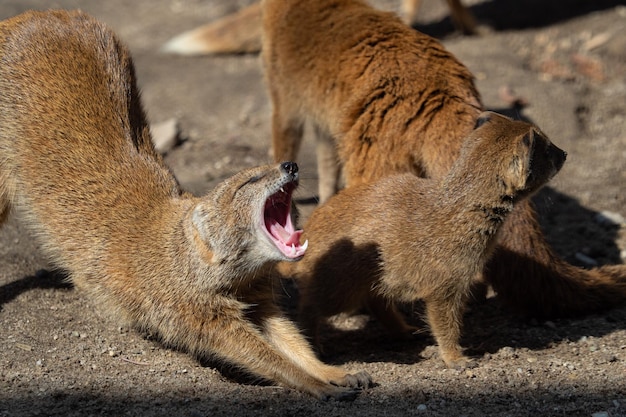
pixel 78 167
pixel 404 238
pixel 386 99
pixel 240 32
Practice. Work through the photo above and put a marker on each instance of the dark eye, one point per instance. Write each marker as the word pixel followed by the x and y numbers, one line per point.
pixel 254 179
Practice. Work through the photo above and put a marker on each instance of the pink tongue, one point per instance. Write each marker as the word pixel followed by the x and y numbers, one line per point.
pixel 284 236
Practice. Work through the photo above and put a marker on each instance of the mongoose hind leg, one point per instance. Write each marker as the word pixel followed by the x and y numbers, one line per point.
pixel 385 311
pixel 462 18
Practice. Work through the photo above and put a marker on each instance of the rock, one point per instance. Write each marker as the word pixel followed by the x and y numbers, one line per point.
pixel 165 135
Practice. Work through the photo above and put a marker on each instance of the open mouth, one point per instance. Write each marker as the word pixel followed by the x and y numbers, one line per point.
pixel 278 225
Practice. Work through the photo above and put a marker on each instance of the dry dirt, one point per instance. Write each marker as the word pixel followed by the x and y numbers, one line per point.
pixel 59 355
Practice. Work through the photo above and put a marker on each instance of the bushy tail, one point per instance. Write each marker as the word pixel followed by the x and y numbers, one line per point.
pixel 529 277
pixel 238 33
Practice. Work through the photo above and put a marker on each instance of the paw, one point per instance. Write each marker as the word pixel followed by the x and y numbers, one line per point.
pixel 340 378
pixel 461 363
pixel 359 380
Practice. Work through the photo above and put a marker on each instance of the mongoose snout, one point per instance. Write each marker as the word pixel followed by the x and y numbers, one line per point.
pixel 290 168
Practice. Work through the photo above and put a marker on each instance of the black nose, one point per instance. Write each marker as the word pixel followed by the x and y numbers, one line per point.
pixel 558 156
pixel 290 168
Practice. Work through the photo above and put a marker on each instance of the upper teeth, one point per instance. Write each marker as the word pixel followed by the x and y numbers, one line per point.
pixel 302 248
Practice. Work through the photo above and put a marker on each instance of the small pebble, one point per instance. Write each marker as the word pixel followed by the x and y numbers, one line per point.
pixel 165 135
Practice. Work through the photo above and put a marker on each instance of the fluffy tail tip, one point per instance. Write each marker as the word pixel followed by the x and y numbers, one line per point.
pixel 185 44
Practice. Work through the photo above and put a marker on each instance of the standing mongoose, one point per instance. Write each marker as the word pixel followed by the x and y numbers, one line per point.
pixel 433 239
pixel 78 168
pixel 385 99
pixel 240 32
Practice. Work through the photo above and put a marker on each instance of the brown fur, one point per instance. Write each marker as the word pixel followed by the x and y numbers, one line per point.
pixel 433 240
pixel 240 32
pixel 385 99
pixel 78 167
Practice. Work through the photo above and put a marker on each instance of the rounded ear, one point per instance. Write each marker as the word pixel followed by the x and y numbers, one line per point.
pixel 203 237
pixel 520 168
pixel 199 219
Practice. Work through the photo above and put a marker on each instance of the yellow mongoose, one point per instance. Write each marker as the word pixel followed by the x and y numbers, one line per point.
pixel 78 167
pixel 386 99
pixel 405 238
pixel 240 32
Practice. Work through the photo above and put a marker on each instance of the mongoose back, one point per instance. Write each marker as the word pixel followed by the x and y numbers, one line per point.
pixel 240 32
pixel 78 168
pixel 434 240
pixel 386 99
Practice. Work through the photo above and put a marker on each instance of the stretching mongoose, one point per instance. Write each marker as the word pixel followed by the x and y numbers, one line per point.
pixel 78 168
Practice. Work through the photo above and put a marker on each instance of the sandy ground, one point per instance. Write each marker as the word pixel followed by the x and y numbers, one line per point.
pixel 60 356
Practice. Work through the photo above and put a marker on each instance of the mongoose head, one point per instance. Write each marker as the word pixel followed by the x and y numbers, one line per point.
pixel 247 217
pixel 525 158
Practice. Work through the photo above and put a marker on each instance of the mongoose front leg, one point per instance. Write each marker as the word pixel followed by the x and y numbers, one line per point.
pixel 241 343
pixel 286 338
pixel 287 132
pixel 328 169
pixel 445 317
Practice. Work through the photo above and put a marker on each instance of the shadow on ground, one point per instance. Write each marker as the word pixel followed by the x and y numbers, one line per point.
pixel 503 15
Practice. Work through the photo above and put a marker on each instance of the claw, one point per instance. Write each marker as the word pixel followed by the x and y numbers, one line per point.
pixel 364 379
pixel 358 380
